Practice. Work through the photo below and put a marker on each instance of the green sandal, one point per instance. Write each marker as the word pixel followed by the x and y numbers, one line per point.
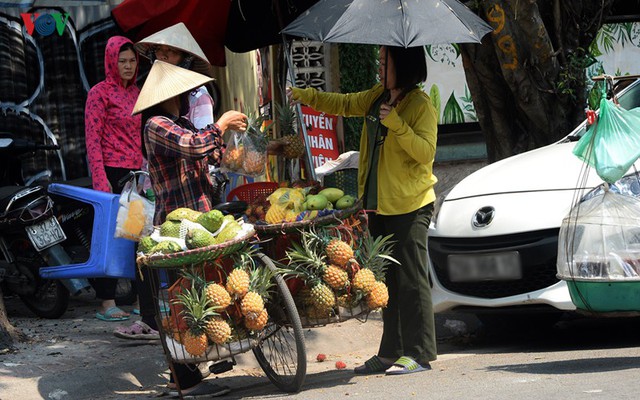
pixel 374 365
pixel 406 365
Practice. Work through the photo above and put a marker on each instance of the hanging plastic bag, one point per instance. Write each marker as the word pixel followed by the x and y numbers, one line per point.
pixel 255 154
pixel 233 155
pixel 246 152
pixel 135 215
pixel 612 144
pixel 599 239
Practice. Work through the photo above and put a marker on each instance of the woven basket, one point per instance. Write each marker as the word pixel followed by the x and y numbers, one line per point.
pixel 343 179
pixel 183 258
pixel 334 218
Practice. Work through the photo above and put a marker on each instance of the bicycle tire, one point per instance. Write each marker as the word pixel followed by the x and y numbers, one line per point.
pixel 275 353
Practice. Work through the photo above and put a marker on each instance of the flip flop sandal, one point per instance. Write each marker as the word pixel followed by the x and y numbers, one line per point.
pixel 406 365
pixel 202 389
pixel 374 365
pixel 136 331
pixel 109 315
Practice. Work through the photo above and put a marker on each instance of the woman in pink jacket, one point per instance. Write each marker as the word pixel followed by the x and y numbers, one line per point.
pixel 112 137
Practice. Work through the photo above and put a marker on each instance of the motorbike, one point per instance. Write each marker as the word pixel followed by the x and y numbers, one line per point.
pixel 30 235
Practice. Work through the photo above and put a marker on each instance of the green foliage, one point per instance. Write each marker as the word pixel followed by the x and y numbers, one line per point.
pixel 358 69
pixel 571 77
pixel 434 95
pixel 469 108
pixel 452 112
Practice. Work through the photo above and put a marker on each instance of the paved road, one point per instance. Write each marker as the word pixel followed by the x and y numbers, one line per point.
pixel 77 358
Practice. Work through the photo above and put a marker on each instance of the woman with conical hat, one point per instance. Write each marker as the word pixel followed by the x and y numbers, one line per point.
pixel 176 152
pixel 177 46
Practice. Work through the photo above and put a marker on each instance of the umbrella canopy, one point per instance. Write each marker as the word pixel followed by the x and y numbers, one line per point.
pixel 404 23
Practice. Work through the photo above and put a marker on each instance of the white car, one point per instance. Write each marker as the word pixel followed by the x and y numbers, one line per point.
pixel 493 239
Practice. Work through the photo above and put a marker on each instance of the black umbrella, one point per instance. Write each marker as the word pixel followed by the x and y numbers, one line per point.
pixel 404 23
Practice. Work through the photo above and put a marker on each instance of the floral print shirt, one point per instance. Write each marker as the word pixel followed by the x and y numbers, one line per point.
pixel 112 134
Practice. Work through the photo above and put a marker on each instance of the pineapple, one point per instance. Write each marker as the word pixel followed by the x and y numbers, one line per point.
pixel 339 252
pixel 217 296
pixel 254 162
pixel 238 283
pixel 378 296
pixel 196 312
pixel 260 282
pixel 322 297
pixel 252 304
pixel 307 259
pixel 218 330
pixel 258 322
pixel 363 280
pixel 374 256
pixel 335 277
pixel 275 214
pixel 293 147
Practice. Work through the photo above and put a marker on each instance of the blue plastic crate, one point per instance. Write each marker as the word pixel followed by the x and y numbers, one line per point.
pixel 109 257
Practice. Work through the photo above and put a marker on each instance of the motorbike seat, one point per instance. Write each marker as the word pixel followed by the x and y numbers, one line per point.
pixel 6 194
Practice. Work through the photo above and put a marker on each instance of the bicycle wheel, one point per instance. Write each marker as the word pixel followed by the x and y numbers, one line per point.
pixel 281 351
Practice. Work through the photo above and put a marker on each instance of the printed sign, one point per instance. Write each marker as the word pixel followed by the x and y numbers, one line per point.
pixel 322 135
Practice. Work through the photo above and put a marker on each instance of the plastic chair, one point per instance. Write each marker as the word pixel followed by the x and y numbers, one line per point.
pixel 251 191
pixel 109 257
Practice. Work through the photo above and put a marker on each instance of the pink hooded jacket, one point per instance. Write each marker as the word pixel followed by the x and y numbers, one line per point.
pixel 112 134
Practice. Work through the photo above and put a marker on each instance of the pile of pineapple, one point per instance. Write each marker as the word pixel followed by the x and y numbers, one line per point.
pixel 338 281
pixel 186 229
pixel 207 313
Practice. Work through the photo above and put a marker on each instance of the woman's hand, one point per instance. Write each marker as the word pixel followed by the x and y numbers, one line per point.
pixel 290 97
pixel 385 109
pixel 233 120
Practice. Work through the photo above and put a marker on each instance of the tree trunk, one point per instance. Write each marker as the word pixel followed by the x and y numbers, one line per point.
pixel 8 333
pixel 527 77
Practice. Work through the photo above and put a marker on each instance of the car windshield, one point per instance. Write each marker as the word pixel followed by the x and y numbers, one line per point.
pixel 628 98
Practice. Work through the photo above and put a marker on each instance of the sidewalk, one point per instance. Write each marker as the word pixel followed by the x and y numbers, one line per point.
pixel 77 357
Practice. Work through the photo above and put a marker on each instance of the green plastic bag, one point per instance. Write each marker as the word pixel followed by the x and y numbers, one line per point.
pixel 612 144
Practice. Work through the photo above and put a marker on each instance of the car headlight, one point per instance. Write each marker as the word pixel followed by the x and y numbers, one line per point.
pixel 437 205
pixel 629 185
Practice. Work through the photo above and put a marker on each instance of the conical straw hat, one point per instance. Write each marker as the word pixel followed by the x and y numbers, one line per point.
pixel 166 81
pixel 179 37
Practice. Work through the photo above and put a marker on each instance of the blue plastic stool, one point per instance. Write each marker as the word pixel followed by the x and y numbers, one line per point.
pixel 109 257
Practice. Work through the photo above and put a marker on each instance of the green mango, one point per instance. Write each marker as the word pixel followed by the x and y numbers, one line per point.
pixel 332 194
pixel 317 202
pixel 345 201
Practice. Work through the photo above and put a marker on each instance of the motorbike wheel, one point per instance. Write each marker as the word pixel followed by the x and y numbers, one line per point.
pixel 126 294
pixel 49 301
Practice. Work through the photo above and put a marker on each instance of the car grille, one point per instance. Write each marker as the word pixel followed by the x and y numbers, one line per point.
pixel 538 253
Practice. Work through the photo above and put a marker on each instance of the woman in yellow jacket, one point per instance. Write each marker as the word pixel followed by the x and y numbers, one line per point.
pixel 395 181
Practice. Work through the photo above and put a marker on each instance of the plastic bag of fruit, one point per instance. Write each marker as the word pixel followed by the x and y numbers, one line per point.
pixel 233 156
pixel 246 152
pixel 254 162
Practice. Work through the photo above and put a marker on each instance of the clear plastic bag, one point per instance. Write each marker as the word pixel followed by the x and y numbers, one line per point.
pixel 600 239
pixel 135 214
pixel 612 144
pixel 246 153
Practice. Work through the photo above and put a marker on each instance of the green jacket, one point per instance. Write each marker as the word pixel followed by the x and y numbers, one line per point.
pixel 405 167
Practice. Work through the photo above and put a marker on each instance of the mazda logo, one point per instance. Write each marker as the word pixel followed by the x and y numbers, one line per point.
pixel 483 217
